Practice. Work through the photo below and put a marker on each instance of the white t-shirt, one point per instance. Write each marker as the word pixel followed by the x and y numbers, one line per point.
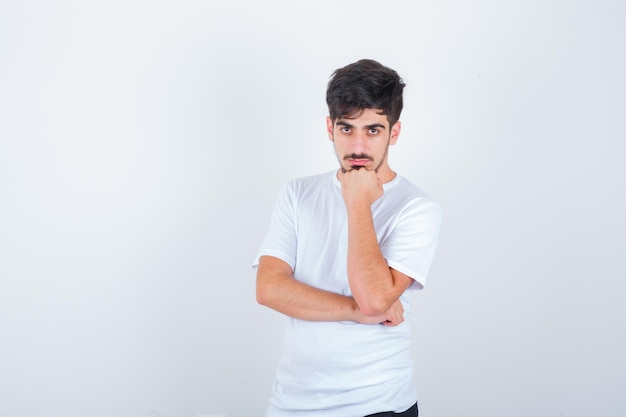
pixel 347 369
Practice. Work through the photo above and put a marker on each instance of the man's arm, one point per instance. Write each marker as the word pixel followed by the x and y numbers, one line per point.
pixel 278 289
pixel 375 286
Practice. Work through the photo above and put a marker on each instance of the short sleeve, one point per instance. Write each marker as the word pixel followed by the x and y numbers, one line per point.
pixel 411 245
pixel 280 240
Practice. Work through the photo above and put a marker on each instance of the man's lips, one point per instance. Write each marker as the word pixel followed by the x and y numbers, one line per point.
pixel 358 162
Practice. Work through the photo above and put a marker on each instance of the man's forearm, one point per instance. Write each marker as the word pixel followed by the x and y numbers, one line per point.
pixel 277 289
pixel 374 285
pixel 371 281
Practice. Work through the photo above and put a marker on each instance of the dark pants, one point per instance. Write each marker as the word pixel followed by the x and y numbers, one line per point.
pixel 411 412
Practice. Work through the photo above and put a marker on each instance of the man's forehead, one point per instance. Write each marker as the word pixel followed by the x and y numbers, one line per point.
pixel 365 117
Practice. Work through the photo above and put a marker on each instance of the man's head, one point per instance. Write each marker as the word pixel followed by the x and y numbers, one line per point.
pixel 365 84
pixel 364 101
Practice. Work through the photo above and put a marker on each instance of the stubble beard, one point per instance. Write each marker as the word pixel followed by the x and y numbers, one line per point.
pixel 363 156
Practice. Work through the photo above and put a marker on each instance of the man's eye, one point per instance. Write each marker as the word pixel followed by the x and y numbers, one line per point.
pixel 373 131
pixel 345 129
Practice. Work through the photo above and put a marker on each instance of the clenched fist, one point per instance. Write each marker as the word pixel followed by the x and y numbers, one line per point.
pixel 360 187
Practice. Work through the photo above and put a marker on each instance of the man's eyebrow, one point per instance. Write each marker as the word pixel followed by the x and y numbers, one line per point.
pixel 367 127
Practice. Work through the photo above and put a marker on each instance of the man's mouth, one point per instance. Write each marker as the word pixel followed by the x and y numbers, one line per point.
pixel 357 159
pixel 358 162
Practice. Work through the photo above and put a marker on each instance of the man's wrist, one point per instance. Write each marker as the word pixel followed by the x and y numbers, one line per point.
pixel 358 209
pixel 354 312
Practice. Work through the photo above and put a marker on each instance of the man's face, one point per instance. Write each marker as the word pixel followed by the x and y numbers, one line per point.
pixel 363 141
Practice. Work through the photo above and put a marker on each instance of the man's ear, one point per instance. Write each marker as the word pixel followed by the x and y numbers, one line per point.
pixel 395 132
pixel 329 128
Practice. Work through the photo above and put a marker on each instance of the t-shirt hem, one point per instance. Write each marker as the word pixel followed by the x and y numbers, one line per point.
pixel 276 254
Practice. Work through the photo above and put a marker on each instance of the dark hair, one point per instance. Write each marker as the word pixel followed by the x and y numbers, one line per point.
pixel 365 84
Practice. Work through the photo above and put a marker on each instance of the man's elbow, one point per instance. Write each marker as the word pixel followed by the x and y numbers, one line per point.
pixel 271 276
pixel 262 294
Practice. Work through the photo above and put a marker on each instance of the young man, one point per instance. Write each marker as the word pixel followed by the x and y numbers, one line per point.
pixel 343 252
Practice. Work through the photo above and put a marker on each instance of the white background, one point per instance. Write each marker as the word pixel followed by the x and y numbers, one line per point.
pixel 142 144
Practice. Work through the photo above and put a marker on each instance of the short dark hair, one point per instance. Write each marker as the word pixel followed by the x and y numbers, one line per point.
pixel 365 84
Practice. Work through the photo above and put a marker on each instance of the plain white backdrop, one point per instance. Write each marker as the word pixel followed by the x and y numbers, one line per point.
pixel 142 144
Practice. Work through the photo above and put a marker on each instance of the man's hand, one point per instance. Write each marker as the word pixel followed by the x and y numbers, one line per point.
pixel 360 187
pixel 391 317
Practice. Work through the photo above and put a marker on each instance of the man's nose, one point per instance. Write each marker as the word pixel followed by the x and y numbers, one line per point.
pixel 359 141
